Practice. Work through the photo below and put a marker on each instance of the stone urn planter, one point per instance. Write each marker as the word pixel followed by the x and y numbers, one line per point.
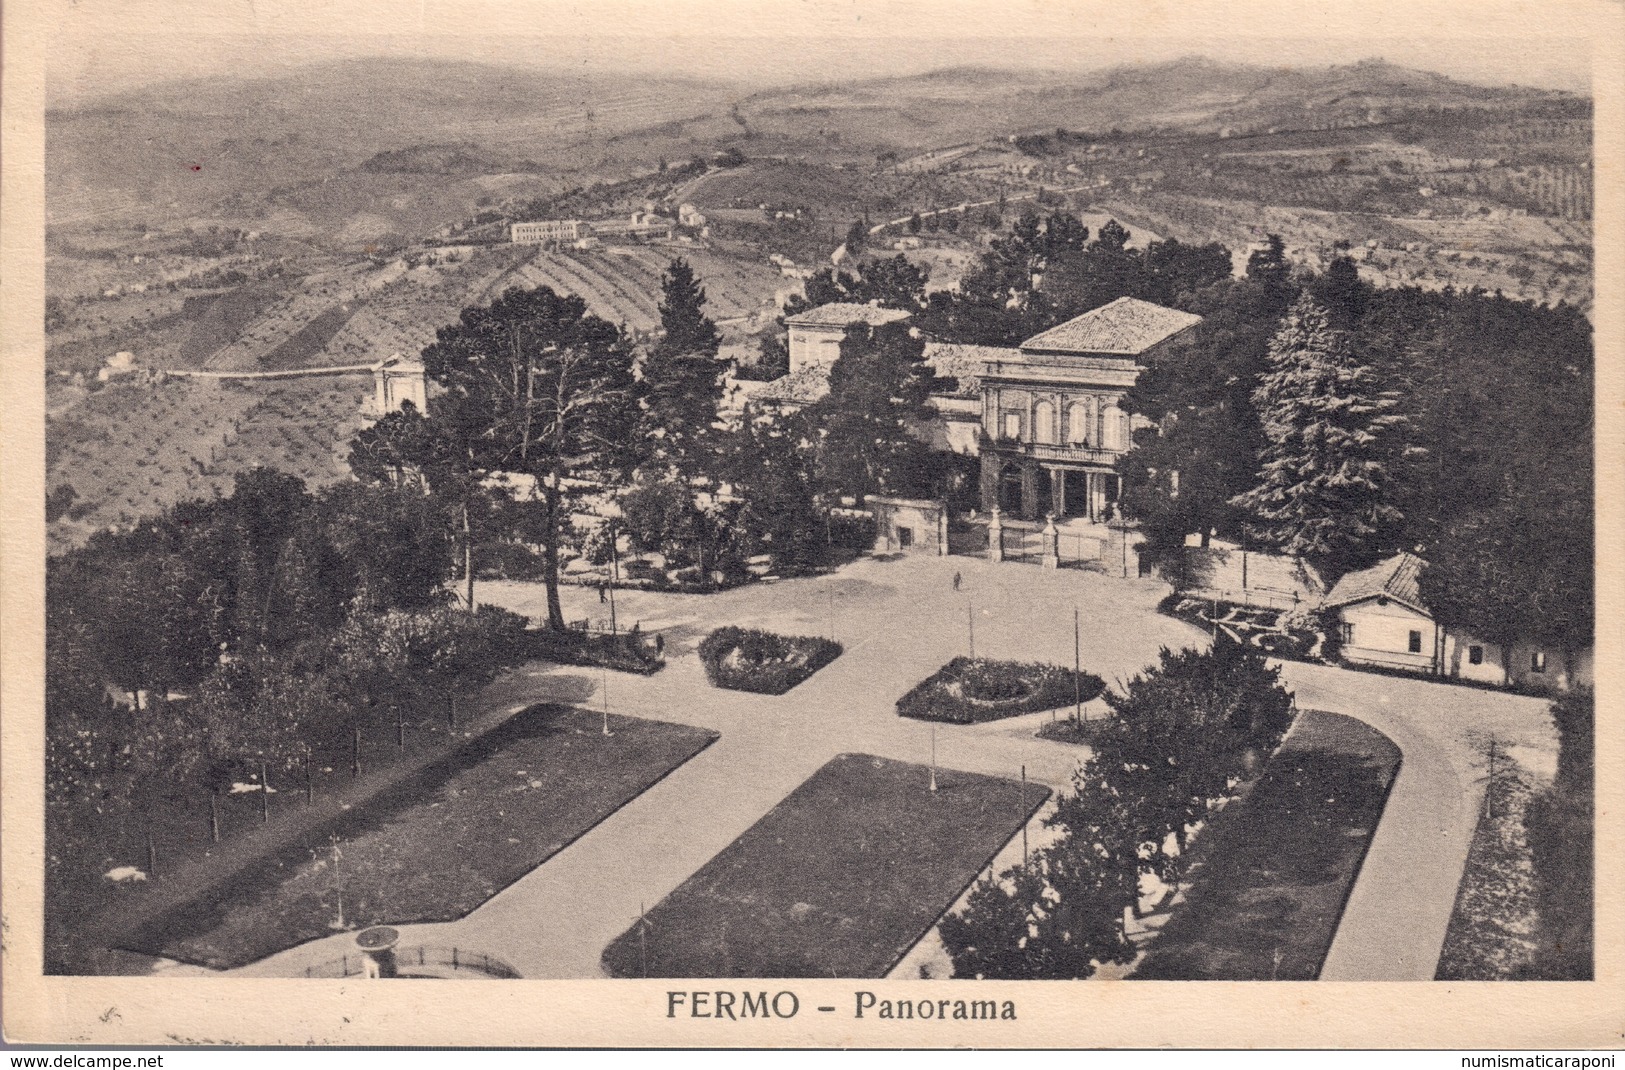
pixel 377 946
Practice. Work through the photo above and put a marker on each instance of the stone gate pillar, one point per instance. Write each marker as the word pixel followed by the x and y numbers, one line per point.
pixel 1051 543
pixel 995 537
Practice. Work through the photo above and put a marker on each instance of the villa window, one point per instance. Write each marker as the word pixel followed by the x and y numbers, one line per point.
pixel 1077 423
pixel 1044 422
pixel 1012 426
pixel 1537 661
pixel 1346 631
pixel 1414 642
pixel 1475 655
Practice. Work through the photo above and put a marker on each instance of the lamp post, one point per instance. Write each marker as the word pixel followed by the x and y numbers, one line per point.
pixel 1023 816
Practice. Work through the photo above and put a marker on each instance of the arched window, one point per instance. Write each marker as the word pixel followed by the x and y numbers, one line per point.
pixel 1044 422
pixel 1115 430
pixel 1078 420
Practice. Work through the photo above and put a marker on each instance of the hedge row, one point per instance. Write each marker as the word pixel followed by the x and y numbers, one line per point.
pixel 972 690
pixel 625 652
pixel 768 664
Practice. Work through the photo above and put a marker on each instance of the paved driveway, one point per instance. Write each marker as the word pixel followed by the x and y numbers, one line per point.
pixel 899 621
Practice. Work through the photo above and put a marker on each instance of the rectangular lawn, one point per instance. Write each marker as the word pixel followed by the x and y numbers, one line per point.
pixel 1281 863
pixel 839 880
pixel 438 845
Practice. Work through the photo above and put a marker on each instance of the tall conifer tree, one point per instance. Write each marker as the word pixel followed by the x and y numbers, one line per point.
pixel 1323 487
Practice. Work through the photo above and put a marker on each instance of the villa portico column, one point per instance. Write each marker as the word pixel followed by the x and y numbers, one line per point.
pixel 1057 491
pixel 1097 495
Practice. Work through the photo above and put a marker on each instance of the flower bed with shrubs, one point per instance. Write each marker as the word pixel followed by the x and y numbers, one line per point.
pixel 625 652
pixel 973 690
pixel 747 659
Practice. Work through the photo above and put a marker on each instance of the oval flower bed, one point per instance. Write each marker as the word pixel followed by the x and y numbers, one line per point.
pixel 972 690
pixel 747 659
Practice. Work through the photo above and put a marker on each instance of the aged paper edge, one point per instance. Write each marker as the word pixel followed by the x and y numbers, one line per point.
pixel 145 1011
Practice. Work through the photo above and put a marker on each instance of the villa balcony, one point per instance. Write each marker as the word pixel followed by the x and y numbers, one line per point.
pixel 1051 451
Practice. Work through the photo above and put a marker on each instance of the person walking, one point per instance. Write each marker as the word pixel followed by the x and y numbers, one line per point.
pixel 602 595
pixel 958 579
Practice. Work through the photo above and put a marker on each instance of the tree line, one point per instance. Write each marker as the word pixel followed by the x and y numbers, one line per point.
pixel 1313 413
pixel 1182 735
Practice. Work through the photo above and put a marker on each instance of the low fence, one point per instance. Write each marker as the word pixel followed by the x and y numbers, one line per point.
pixel 1267 597
pixel 458 960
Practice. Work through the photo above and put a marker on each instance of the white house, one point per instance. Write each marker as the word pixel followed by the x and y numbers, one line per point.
pixel 1384 622
pixel 815 335
pixel 397 380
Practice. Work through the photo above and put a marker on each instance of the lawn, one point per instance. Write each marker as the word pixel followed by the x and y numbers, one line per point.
pixel 1280 863
pixel 840 879
pixel 437 846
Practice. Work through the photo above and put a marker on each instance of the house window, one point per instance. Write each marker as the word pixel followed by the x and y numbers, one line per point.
pixel 1012 426
pixel 1475 655
pixel 1346 631
pixel 1537 661
pixel 905 537
pixel 1414 643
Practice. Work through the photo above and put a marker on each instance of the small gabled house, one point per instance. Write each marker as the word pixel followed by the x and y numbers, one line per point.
pixel 1382 619
pixel 1384 623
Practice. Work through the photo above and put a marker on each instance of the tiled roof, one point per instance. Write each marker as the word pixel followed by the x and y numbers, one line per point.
pixel 1126 326
pixel 966 363
pixel 842 313
pixel 800 388
pixel 1396 578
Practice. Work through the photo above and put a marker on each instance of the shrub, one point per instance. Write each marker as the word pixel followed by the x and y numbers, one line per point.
pixel 502 560
pixel 625 652
pixel 972 690
pixel 765 663
pixel 854 533
pixel 1068 730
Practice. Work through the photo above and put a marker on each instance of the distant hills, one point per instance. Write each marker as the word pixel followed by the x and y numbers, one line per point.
pixel 1193 94
pixel 385 141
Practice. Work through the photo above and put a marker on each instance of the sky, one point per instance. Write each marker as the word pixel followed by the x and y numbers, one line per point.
pixel 100 46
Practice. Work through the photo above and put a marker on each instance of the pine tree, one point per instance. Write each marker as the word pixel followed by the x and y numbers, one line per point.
pixel 1323 488
pixel 877 389
pixel 682 374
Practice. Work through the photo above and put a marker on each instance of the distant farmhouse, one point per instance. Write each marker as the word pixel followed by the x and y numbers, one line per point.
pixel 1044 417
pixel 645 225
pixel 1384 623
pixel 547 230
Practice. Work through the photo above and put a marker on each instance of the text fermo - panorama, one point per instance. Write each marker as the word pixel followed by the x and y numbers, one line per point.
pixel 735 1006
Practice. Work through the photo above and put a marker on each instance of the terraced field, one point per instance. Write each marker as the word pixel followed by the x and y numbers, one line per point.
pixel 136 447
pixel 622 284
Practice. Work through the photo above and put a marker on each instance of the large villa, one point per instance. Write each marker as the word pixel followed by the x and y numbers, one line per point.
pixel 1044 417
